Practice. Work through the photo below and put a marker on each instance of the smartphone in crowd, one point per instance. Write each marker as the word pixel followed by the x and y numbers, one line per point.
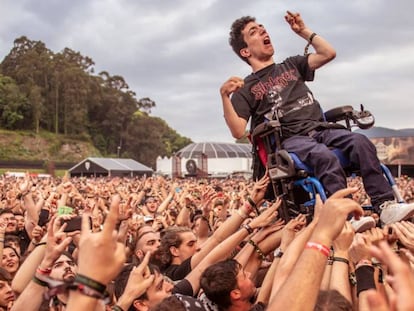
pixel 75 224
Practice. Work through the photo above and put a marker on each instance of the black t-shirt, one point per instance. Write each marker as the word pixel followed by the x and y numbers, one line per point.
pixel 178 272
pixel 183 287
pixel 299 112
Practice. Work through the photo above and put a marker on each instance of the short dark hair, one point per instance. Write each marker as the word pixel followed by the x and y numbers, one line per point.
pixel 218 280
pixel 120 282
pixel 236 37
pixel 6 211
pixel 171 303
pixel 332 300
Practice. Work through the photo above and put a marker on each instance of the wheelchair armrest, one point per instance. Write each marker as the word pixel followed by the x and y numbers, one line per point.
pixel 363 118
pixel 339 113
pixel 265 128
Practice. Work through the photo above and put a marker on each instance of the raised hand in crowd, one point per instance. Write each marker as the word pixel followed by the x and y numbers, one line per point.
pixel 400 278
pixel 101 269
pixel 405 233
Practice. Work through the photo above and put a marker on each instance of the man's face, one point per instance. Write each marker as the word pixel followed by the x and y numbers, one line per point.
pixel 188 246
pixel 10 220
pixel 64 269
pixel 158 290
pixel 151 204
pixel 258 42
pixel 149 242
pixel 245 285
pixel 20 222
pixel 6 294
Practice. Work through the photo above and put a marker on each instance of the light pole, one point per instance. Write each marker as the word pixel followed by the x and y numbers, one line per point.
pixel 118 150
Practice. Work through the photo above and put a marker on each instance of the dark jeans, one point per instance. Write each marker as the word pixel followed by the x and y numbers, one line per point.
pixel 313 151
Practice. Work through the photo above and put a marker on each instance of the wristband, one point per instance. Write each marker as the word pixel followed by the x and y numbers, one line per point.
pixel 116 308
pixel 364 278
pixel 340 259
pixel 42 271
pixel 88 282
pixel 38 281
pixel 319 247
pixel 248 228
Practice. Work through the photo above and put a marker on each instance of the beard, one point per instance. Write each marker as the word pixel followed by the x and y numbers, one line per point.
pixel 68 276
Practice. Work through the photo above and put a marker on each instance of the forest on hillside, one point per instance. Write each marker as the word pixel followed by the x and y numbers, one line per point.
pixel 41 90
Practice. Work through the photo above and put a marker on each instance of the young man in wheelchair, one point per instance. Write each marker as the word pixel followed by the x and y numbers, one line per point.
pixel 303 129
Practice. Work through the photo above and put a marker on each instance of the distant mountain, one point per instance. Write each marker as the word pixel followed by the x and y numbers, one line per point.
pixel 377 131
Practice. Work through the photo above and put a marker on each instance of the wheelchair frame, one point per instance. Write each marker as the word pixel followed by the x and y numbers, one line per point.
pixel 282 167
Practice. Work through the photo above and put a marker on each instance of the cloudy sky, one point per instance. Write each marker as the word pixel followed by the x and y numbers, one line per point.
pixel 176 52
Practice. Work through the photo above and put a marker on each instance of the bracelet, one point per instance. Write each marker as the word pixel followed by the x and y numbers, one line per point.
pixel 92 284
pixel 253 204
pixel 248 228
pixel 39 244
pixel 42 271
pixel 257 249
pixel 311 37
pixel 309 43
pixel 38 281
pixel 319 247
pixel 340 259
pixel 116 308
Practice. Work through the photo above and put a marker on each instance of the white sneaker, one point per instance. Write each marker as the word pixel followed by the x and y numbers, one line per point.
pixel 392 211
pixel 363 224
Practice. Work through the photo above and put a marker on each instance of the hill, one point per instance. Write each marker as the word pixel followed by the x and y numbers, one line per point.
pixel 27 146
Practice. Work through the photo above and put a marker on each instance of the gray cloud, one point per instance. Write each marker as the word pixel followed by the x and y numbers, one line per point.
pixel 176 52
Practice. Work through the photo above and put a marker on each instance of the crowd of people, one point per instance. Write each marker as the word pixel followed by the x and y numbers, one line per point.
pixel 154 243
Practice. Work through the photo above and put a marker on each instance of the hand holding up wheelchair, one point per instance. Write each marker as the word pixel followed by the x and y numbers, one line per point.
pixel 334 214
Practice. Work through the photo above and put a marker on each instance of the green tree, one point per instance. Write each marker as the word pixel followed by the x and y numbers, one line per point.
pixel 13 103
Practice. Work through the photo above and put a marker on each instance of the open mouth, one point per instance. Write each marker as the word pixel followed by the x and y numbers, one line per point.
pixel 266 41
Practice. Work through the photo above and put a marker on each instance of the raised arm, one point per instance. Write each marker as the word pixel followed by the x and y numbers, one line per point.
pixel 324 52
pixel 312 261
pixel 226 247
pixel 232 223
pixel 236 124
pixel 340 262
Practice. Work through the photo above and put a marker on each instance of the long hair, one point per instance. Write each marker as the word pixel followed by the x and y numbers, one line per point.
pixel 171 237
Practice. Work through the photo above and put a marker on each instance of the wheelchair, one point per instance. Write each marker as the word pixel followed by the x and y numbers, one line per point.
pixel 291 179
